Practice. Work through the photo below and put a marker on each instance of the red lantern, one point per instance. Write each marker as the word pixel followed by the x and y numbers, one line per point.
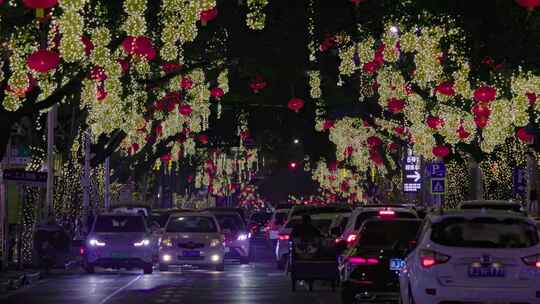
pixel 479 110
pixel 399 130
pixel 393 147
pixel 208 15
pixel 434 122
pixel 441 151
pixel 245 135
pixel 371 67
pixel 296 104
pixel 481 121
pixel 446 88
pixel 140 46
pixel 530 5
pixel 374 141
pixel 88 45
pixel 532 98
pixel 462 133
pixel 37 4
pixel 376 158
pixel 98 73
pixel 159 105
pixel 166 158
pixel 485 94
pixel 43 61
pixel 525 136
pixel 328 124
pixel 187 83
pixel 203 139
pixel 217 93
pixel 134 148
pixel 332 166
pixel 257 84
pixel 124 63
pixel 396 105
pixel 171 67
pixel 185 110
pixel 101 93
pixel 159 130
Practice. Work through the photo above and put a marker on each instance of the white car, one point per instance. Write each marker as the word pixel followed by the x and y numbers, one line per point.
pixel 321 221
pixel 237 236
pixel 119 241
pixel 359 215
pixel 473 256
pixel 276 222
pixel 192 238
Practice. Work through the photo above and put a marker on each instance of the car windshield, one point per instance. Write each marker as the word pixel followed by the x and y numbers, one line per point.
pixel 322 224
pixel 119 224
pixel 230 221
pixel 385 234
pixel 200 224
pixel 509 207
pixel 484 232
pixel 362 217
pixel 160 218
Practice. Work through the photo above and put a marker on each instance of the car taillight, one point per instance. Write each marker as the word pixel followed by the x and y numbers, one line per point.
pixel 363 261
pixel 429 258
pixel 81 251
pixel 387 213
pixel 532 260
pixel 284 237
pixel 351 238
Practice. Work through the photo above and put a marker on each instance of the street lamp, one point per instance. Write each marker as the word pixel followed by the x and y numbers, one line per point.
pixel 296 141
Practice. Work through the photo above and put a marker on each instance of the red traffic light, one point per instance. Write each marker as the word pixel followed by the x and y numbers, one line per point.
pixel 293 165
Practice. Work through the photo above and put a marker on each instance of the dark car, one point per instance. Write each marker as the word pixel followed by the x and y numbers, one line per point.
pixel 492 205
pixel 370 270
pixel 237 236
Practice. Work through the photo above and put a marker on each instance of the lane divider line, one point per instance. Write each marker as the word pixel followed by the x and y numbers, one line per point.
pixel 120 289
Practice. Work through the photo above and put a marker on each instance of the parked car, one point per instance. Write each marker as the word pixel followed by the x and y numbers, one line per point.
pixel 369 271
pixel 473 256
pixel 237 236
pixel 119 241
pixel 276 222
pixel 192 238
pixel 350 234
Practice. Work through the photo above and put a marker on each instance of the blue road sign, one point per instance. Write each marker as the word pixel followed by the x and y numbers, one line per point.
pixel 437 170
pixel 438 186
pixel 412 178
pixel 519 180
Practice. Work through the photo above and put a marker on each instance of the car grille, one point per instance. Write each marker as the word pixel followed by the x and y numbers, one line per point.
pixel 190 245
pixel 196 258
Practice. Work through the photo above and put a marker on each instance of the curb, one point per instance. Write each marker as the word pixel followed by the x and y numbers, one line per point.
pixel 17 281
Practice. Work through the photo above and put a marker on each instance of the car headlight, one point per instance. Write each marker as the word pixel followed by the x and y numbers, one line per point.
pixel 215 243
pixel 242 237
pixel 166 243
pixel 144 242
pixel 96 243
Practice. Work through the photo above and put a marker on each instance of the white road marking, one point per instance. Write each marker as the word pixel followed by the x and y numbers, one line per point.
pixel 120 289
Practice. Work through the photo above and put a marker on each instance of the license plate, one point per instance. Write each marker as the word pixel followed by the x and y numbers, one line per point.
pixel 191 253
pixel 227 249
pixel 486 272
pixel 119 255
pixel 397 264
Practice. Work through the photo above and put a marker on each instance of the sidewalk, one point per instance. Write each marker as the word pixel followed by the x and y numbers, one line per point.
pixel 14 279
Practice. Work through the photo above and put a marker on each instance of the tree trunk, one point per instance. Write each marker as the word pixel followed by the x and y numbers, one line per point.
pixel 476 190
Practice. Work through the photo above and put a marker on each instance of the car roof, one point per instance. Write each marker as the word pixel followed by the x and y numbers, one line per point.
pixel 120 214
pixel 321 216
pixel 397 219
pixel 472 213
pixel 490 202
pixel 136 206
pixel 193 213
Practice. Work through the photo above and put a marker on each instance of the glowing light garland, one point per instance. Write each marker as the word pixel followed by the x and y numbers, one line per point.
pixel 256 17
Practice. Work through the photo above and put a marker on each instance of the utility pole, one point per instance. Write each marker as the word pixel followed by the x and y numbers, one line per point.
pixel 51 117
pixel 107 183
pixel 86 175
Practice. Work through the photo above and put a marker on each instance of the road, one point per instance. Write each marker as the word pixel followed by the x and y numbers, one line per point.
pixel 257 283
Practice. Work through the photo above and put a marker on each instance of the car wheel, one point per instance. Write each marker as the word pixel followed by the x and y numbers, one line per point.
pixel 244 260
pixel 89 268
pixel 220 267
pixel 148 269
pixel 347 297
pixel 163 267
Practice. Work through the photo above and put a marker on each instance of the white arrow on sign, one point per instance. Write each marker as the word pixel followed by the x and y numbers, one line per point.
pixel 416 176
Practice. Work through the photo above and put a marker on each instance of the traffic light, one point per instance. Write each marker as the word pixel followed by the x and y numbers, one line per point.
pixel 293 165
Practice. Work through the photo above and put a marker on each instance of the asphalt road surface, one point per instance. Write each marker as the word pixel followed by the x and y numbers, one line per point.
pixel 257 283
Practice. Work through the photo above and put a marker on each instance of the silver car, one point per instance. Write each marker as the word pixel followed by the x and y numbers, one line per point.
pixel 119 241
pixel 192 238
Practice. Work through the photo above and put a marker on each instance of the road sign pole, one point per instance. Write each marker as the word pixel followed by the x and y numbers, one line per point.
pixel 107 183
pixel 86 176
pixel 51 116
